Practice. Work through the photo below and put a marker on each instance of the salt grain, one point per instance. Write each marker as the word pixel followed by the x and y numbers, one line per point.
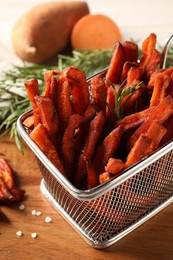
pixel 22 207
pixel 19 233
pixel 34 235
pixel 48 219
pixel 38 213
pixel 33 212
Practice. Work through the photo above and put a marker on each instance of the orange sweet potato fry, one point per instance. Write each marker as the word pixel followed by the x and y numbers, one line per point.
pixel 64 107
pixel 130 51
pixel 169 134
pixel 110 99
pixel 146 143
pixel 153 63
pixel 48 117
pixel 148 46
pixel 32 91
pixel 107 149
pixel 103 177
pixel 92 179
pixel 41 138
pixel 6 174
pixel 51 83
pixel 29 122
pixel 68 142
pixel 88 150
pixel 114 166
pixel 134 74
pixel 135 119
pixel 79 88
pixel 126 67
pixel 160 114
pixel 98 90
pixel 161 84
pixel 117 61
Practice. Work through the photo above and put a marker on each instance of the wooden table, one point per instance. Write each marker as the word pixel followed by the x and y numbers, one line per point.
pixel 57 240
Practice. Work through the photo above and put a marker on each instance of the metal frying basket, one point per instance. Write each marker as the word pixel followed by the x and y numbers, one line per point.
pixel 106 213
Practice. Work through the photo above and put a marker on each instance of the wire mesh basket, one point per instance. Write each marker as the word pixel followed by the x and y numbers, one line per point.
pixel 106 213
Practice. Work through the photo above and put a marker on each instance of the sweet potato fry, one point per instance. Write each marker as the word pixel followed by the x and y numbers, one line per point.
pixel 136 119
pixel 92 179
pixel 134 74
pixel 79 88
pixel 98 90
pixel 146 143
pixel 107 149
pixel 51 83
pixel 94 134
pixel 148 46
pixel 32 91
pixel 117 61
pixel 48 117
pixel 131 51
pixel 114 166
pixel 126 67
pixel 29 122
pixel 160 114
pixel 161 84
pixel 110 101
pixel 41 138
pixel 68 142
pixel 169 134
pixel 64 108
pixel 153 63
pixel 105 176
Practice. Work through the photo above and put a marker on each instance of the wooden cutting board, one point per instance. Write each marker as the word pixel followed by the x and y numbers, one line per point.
pixel 58 240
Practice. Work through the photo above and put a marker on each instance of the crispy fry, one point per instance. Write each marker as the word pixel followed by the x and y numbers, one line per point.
pixel 48 117
pixel 68 142
pixel 148 46
pixel 94 134
pixel 7 183
pixel 32 91
pixel 135 119
pixel 117 61
pixel 146 143
pixel 29 122
pixel 110 101
pixel 169 134
pixel 105 176
pixel 41 138
pixel 131 51
pixel 51 83
pixel 107 149
pixel 134 74
pixel 98 90
pixel 161 84
pixel 154 61
pixel 64 108
pixel 92 179
pixel 160 113
pixel 126 67
pixel 114 166
pixel 79 88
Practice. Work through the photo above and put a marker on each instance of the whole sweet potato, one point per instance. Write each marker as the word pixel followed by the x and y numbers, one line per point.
pixel 45 29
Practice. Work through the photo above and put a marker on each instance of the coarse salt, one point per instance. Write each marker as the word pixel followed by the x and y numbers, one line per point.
pixel 22 207
pixel 48 219
pixel 34 235
pixel 33 212
pixel 19 233
pixel 38 213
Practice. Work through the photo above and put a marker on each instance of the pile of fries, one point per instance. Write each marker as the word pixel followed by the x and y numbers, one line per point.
pixel 93 131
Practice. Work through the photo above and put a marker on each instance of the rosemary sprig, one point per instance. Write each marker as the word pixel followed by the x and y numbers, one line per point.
pixel 119 95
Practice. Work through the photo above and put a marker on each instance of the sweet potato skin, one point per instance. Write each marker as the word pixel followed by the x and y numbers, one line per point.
pixel 45 30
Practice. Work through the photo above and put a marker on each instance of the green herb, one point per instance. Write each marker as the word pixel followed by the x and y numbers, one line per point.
pixel 119 95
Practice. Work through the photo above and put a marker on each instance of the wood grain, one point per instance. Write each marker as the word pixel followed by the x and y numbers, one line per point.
pixel 57 240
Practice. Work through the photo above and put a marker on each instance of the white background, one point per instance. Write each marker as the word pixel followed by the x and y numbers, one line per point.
pixel 135 18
